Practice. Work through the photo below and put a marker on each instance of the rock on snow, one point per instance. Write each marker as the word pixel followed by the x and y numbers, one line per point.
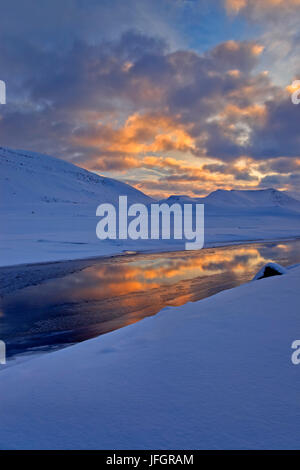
pixel 269 270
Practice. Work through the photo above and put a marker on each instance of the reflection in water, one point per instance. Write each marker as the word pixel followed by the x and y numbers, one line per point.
pixel 112 293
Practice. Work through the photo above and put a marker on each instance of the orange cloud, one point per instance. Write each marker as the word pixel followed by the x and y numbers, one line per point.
pixel 139 135
pixel 234 46
pixel 255 111
pixel 293 87
pixel 235 6
pixel 234 73
pixel 194 178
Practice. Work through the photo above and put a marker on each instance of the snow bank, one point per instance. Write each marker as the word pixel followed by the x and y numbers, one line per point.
pixel 214 374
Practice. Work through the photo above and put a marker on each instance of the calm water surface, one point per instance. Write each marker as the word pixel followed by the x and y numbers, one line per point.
pixel 97 296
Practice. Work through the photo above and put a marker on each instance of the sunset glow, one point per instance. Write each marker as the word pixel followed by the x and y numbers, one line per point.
pixel 164 108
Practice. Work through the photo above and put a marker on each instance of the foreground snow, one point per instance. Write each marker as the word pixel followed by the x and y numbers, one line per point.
pixel 212 374
pixel 48 212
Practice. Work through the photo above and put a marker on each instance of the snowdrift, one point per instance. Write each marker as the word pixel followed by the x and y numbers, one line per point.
pixel 215 374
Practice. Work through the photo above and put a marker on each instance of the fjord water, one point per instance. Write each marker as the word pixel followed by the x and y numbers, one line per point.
pixel 74 301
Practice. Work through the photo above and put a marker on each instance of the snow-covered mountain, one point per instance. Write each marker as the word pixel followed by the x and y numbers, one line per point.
pixel 179 200
pixel 252 198
pixel 242 199
pixel 32 178
pixel 48 212
pixel 29 177
pixel 294 194
pixel 48 208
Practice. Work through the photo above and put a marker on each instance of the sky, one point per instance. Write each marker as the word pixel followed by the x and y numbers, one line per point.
pixel 170 96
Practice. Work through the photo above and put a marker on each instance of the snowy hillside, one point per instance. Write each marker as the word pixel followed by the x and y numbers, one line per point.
pixel 48 208
pixel 237 216
pixel 237 199
pixel 32 178
pixel 48 212
pixel 294 194
pixel 214 374
pixel 251 198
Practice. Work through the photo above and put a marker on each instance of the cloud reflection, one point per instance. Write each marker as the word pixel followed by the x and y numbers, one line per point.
pixel 112 293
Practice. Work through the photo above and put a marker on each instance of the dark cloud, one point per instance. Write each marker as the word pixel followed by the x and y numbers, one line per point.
pixel 105 100
pixel 280 165
pixel 231 169
pixel 290 181
pixel 67 92
pixel 241 55
pixel 279 135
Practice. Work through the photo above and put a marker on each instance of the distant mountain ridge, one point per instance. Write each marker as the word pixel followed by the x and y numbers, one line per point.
pixel 262 198
pixel 30 177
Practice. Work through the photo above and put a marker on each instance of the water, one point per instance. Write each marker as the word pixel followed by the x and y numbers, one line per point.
pixel 53 305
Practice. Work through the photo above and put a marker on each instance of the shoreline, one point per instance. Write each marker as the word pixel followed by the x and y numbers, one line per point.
pixel 131 253
pixel 16 277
